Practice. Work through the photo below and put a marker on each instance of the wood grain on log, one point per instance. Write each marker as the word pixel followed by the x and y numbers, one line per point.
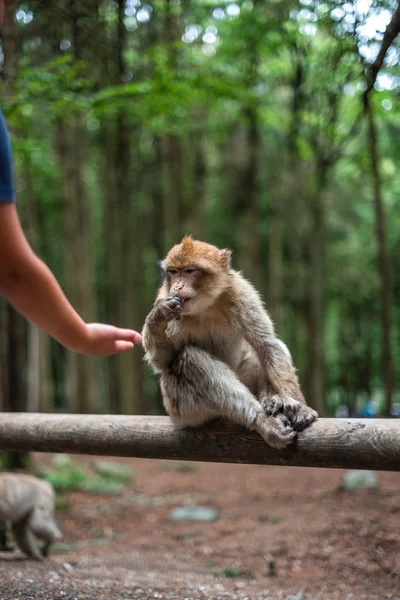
pixel 336 443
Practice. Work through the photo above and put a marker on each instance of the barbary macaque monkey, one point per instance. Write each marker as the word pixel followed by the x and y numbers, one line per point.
pixel 28 504
pixel 214 346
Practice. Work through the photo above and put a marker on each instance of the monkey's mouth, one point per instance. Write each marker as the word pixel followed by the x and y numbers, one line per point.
pixel 186 302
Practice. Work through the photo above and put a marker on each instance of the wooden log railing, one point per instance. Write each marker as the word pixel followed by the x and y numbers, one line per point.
pixel 335 443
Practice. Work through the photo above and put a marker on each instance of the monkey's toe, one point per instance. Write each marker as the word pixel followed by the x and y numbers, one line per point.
pixel 280 419
pixel 274 405
pixel 282 440
pixel 305 417
pixel 278 432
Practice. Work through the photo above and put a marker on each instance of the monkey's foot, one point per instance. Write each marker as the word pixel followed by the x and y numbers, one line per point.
pixel 277 430
pixel 305 416
pixel 299 414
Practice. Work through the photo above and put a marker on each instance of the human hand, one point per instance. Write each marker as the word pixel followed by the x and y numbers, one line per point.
pixel 105 340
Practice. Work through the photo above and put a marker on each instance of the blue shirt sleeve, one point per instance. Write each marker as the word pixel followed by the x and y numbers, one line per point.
pixel 7 191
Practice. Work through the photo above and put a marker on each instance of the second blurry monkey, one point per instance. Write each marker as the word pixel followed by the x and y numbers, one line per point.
pixel 27 503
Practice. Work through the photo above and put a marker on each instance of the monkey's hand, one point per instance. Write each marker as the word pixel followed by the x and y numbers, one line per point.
pixel 299 414
pixel 167 309
pixel 276 431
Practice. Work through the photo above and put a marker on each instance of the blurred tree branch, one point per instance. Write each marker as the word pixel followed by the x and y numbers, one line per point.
pixel 392 31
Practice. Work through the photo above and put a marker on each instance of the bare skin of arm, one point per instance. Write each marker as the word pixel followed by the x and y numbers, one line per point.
pixel 29 285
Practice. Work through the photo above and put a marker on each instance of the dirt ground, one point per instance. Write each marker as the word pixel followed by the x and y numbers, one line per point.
pixel 282 534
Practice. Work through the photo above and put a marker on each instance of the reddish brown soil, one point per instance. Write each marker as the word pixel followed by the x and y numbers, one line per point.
pixel 323 544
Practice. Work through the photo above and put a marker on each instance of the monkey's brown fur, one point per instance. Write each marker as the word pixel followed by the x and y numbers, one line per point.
pixel 28 504
pixel 214 345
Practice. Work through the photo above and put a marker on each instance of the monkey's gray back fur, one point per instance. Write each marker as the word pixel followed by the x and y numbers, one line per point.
pixel 27 503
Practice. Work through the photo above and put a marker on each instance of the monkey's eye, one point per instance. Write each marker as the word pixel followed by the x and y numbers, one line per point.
pixel 190 270
pixel 172 271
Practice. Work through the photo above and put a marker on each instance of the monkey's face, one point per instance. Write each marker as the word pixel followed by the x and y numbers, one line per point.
pixel 197 273
pixel 186 283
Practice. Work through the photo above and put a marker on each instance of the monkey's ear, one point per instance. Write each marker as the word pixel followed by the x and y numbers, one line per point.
pixel 161 269
pixel 225 258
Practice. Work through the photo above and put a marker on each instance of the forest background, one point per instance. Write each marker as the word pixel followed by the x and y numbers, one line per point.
pixel 269 127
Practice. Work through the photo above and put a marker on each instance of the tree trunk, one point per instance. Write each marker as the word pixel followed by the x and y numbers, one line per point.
pixel 383 259
pixel 130 363
pixel 296 281
pixel 173 205
pixel 38 359
pixel 157 223
pixel 246 211
pixel 275 261
pixel 4 395
pixel 199 187
pixel 79 280
pixel 15 332
pixel 295 212
pixel 112 254
pixel 123 256
pixel 171 147
pixel 81 375
pixel 316 353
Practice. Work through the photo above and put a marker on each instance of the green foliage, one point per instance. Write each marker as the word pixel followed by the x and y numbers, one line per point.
pixel 68 475
pixel 285 76
pixel 180 467
pixel 113 470
pixel 235 573
pixel 101 485
pixel 58 86
pixel 62 504
pixel 60 548
pixel 14 459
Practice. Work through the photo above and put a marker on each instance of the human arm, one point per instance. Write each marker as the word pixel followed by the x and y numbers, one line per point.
pixel 29 285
